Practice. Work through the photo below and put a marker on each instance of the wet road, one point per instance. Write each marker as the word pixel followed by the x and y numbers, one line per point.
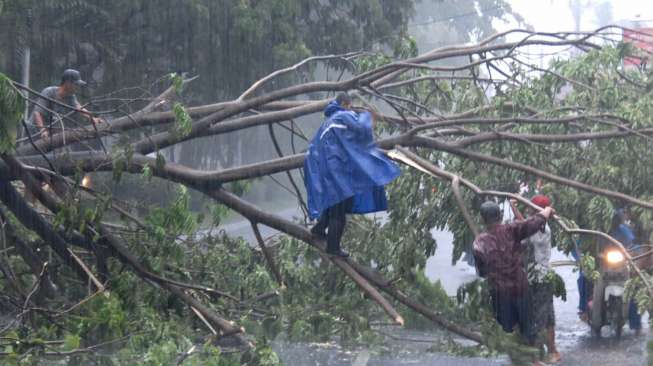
pixel 573 336
pixel 576 342
pixel 574 339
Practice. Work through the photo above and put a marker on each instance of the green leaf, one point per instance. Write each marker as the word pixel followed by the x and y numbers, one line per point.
pixel 184 122
pixel 160 161
pixel 557 284
pixel 177 82
pixel 71 342
pixel 147 173
pixel 11 113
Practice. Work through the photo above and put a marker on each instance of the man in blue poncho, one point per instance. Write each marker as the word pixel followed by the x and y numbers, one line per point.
pixel 344 171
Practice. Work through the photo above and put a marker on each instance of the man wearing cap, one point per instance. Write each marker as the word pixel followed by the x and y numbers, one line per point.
pixel 48 116
pixel 498 253
pixel 344 171
pixel 537 257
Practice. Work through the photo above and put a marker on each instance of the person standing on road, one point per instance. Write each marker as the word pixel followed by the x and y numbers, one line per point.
pixel 498 253
pixel 344 171
pixel 540 291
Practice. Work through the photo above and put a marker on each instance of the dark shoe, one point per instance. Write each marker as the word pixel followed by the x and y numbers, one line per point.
pixel 318 233
pixel 339 253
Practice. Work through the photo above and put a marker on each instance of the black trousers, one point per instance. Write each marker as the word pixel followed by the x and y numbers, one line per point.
pixel 334 218
pixel 512 309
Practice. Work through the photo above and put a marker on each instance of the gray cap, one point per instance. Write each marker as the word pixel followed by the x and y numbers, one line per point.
pixel 74 76
pixel 490 212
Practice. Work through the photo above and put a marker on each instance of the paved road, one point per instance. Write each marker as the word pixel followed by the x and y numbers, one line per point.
pixel 578 345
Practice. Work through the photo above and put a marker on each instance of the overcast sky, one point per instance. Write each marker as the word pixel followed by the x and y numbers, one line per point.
pixel 556 15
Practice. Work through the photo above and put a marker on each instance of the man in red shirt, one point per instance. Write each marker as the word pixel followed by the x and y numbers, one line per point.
pixel 498 252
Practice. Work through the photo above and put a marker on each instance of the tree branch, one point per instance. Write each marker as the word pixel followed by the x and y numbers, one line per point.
pixel 267 255
pixel 424 165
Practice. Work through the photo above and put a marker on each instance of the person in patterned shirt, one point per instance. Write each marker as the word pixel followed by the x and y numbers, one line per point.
pixel 498 253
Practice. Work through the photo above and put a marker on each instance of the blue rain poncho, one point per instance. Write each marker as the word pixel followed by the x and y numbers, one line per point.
pixel 343 161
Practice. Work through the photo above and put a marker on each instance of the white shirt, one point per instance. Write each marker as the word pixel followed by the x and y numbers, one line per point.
pixel 538 254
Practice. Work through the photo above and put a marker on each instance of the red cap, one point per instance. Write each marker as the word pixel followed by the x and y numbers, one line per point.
pixel 541 200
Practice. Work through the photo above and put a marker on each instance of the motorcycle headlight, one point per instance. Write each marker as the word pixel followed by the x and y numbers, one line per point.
pixel 614 256
pixel 86 181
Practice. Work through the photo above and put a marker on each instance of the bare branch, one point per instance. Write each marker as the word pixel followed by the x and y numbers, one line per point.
pixel 277 73
pixel 455 186
pixel 267 255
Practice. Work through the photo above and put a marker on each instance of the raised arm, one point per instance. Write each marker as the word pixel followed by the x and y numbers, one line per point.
pixel 524 229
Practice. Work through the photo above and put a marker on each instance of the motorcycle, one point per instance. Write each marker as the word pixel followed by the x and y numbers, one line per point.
pixel 608 306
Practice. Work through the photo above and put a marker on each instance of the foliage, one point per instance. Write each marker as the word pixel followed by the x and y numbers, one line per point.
pixel 183 126
pixel 262 355
pixel 614 163
pixel 229 43
pixel 317 302
pixel 144 325
pixel 77 214
pixel 11 113
pixel 177 82
pixel 589 267
pixel 146 173
pixel 174 220
pixel 557 284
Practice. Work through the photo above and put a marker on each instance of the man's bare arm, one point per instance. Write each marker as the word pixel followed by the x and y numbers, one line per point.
pixel 524 229
pixel 38 118
pixel 40 124
pixel 547 212
pixel 89 115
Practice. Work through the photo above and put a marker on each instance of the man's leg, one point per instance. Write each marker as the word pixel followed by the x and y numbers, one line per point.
pixel 319 228
pixel 337 222
pixel 583 297
pixel 533 322
pixel 503 311
pixel 521 306
pixel 554 354
pixel 634 319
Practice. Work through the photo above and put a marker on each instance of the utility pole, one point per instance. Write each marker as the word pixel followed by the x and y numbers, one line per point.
pixel 27 53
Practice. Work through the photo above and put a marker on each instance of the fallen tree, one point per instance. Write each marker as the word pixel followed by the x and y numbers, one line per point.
pixel 481 110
